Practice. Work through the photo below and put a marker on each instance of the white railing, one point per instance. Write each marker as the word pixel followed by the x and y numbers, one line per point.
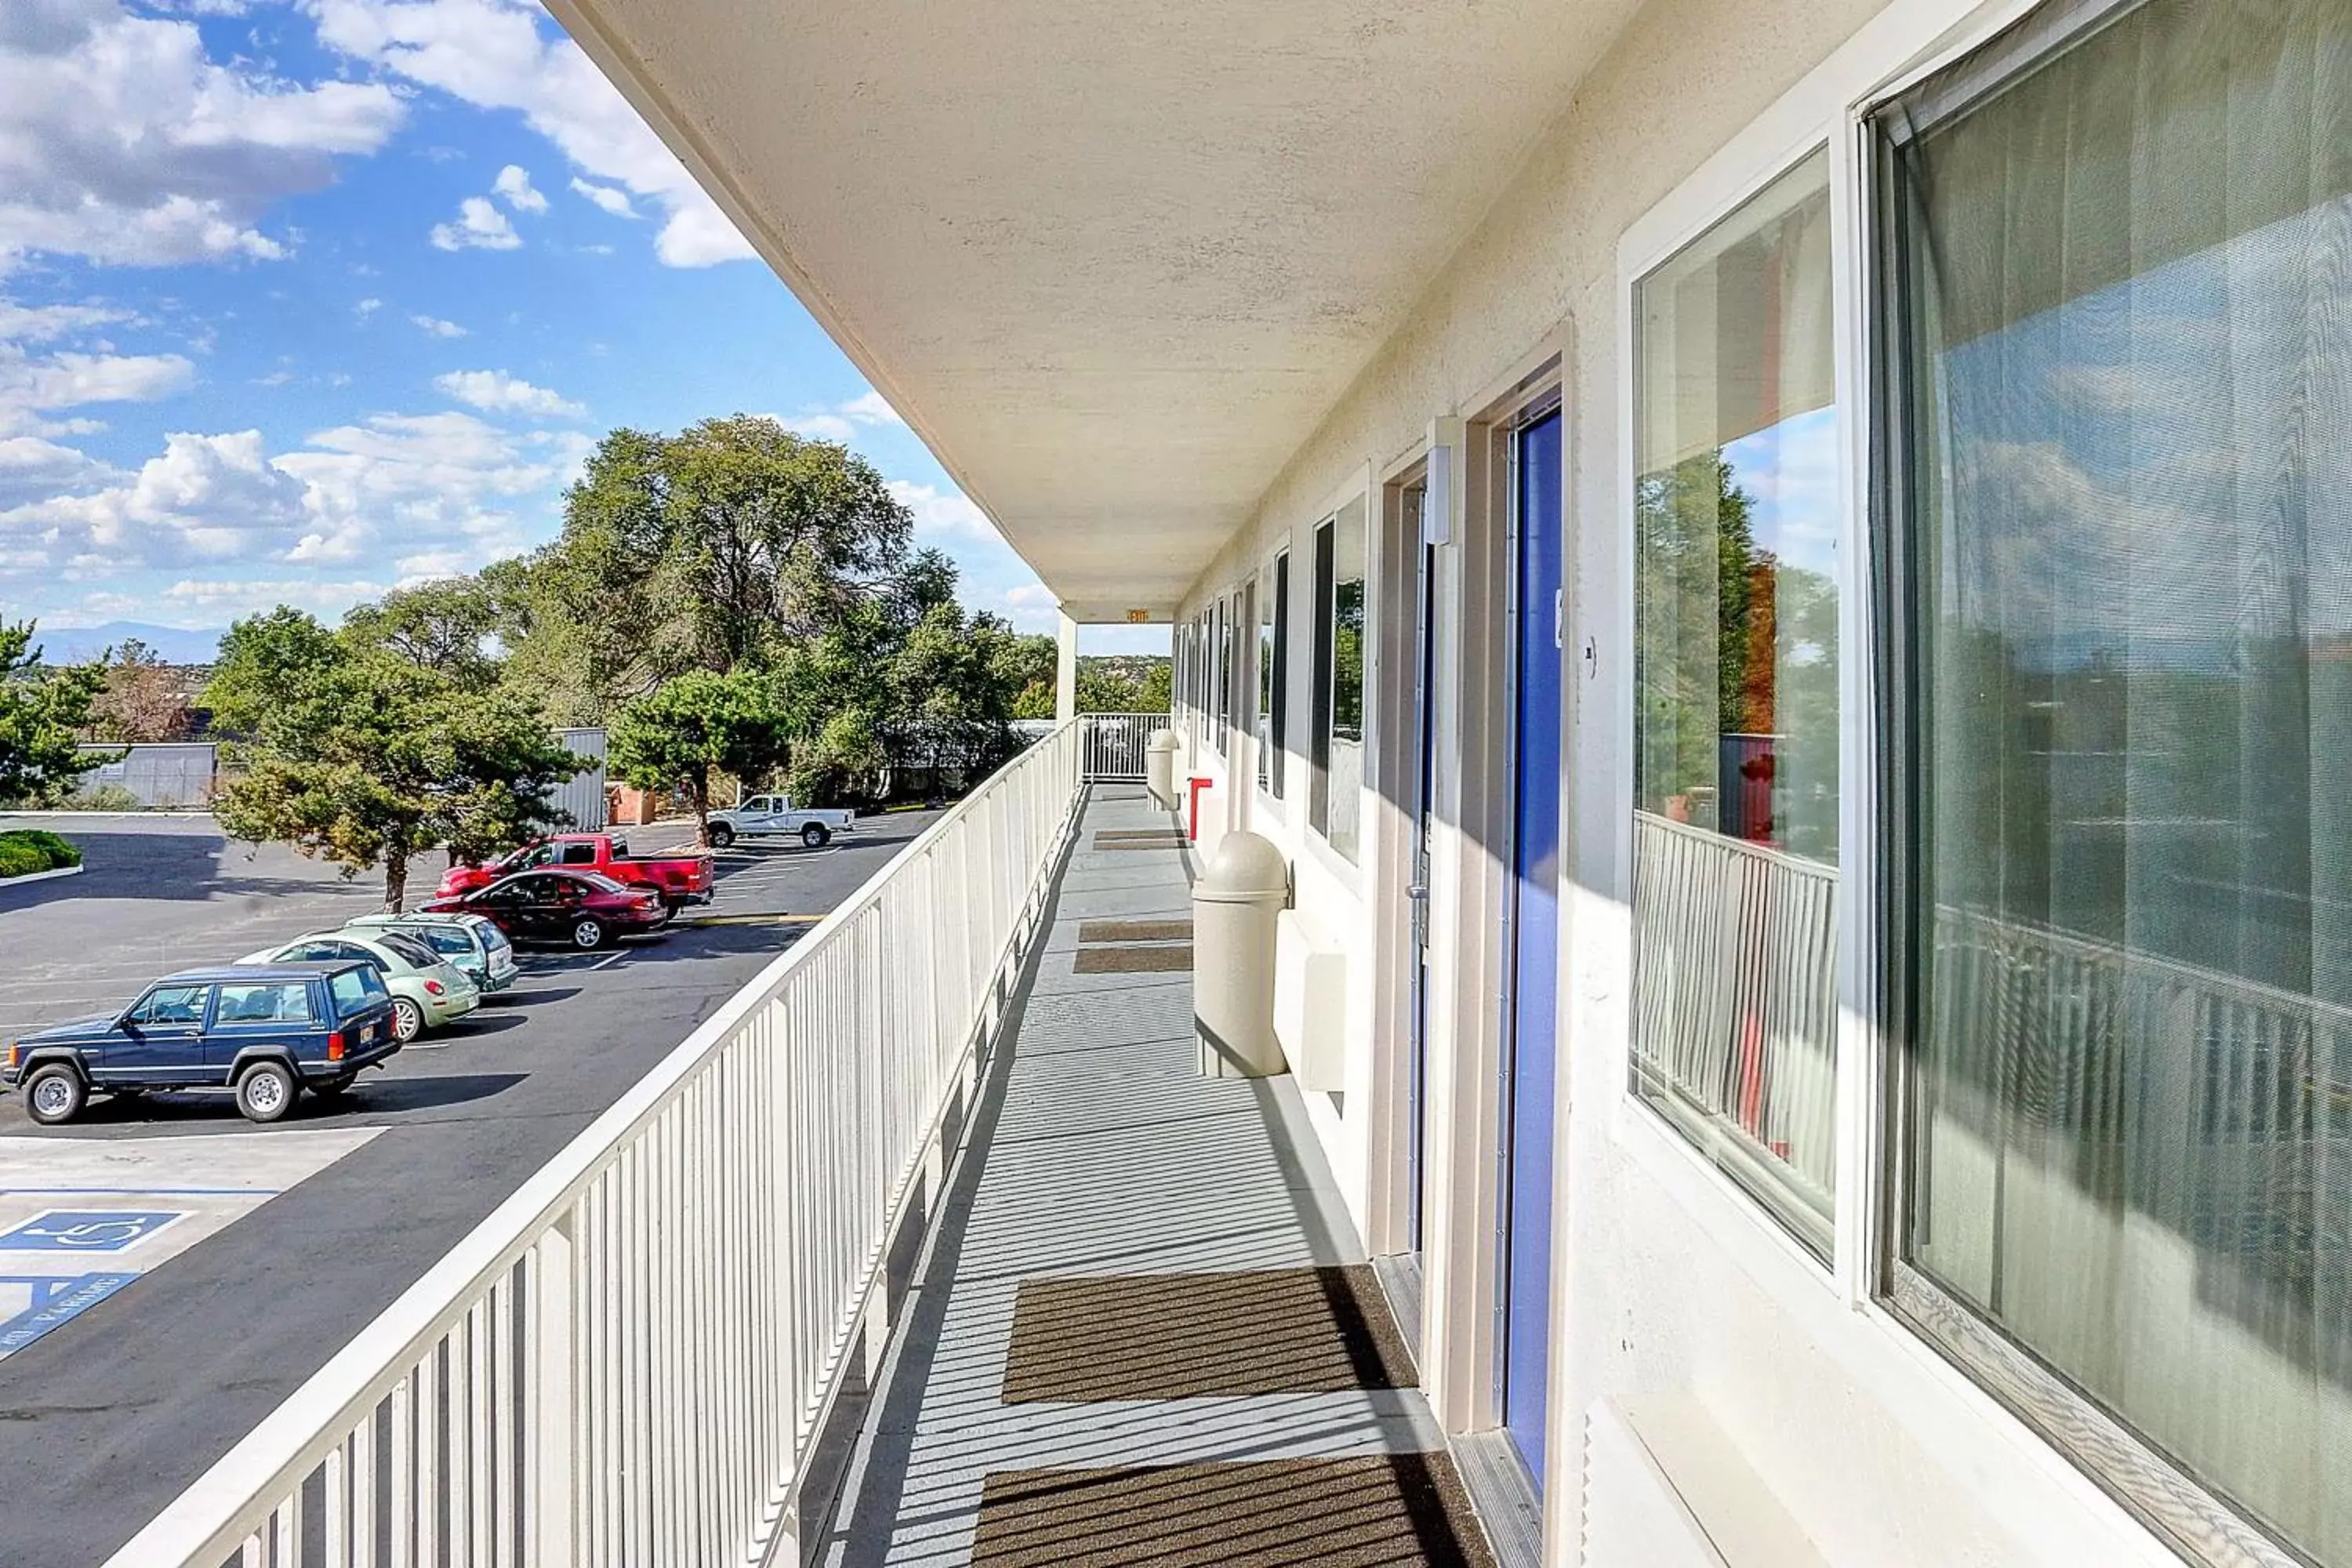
pixel 628 1361
pixel 1735 1008
pixel 1115 743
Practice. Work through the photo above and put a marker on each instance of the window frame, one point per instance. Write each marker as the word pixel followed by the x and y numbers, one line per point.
pixel 1273 688
pixel 1927 1345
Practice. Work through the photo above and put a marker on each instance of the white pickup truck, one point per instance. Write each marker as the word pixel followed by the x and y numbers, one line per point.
pixel 775 816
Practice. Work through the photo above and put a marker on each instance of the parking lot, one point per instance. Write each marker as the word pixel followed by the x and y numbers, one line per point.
pixel 168 1271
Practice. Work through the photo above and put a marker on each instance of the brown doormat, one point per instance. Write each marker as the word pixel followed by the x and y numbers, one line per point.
pixel 1139 835
pixel 1133 960
pixel 1154 845
pixel 1395 1508
pixel 1189 1336
pixel 1134 931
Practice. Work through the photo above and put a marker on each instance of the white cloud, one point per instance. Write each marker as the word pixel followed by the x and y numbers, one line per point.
pixel 942 516
pixel 32 388
pixel 122 142
pixel 495 54
pixel 513 185
pixel 41 324
pixel 842 421
pixel 368 306
pixel 438 487
pixel 612 198
pixel 499 393
pixel 480 226
pixel 436 327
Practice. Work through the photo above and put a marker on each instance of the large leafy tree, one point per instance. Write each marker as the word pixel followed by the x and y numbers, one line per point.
pixel 446 627
pixel 359 757
pixel 709 550
pixel 43 711
pixel 699 724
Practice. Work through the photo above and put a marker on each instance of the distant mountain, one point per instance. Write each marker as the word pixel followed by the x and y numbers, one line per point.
pixel 174 645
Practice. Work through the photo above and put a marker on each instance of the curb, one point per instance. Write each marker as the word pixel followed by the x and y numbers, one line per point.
pixel 52 874
pixel 700 920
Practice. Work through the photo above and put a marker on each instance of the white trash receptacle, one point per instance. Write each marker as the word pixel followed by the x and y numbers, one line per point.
pixel 1236 905
pixel 1160 768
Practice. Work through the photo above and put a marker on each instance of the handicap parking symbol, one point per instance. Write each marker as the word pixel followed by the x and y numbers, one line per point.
pixel 87 1230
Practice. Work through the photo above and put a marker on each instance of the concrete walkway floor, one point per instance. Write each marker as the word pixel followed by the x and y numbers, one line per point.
pixel 1135 1334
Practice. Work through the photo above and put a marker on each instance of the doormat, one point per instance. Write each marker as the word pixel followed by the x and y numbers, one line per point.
pixel 1134 835
pixel 1134 931
pixel 1190 1336
pixel 1133 960
pixel 1395 1508
pixel 1107 842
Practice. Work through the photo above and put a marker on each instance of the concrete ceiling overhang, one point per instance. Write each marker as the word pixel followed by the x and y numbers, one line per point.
pixel 1114 262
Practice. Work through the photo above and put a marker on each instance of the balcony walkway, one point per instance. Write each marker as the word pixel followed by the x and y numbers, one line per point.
pixel 1141 1331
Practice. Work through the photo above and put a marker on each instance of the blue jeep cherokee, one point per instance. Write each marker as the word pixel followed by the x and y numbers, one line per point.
pixel 267 1031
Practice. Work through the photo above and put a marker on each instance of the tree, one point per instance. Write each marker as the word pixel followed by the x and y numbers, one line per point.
pixel 142 701
pixel 677 736
pixel 366 759
pixel 43 711
pixel 709 550
pixel 444 625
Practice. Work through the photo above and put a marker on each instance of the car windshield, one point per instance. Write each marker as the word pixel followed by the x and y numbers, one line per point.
pixel 355 989
pixel 416 953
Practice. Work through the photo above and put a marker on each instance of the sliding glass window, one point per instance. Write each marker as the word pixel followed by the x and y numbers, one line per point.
pixel 1335 789
pixel 1273 671
pixel 1736 524
pixel 2120 448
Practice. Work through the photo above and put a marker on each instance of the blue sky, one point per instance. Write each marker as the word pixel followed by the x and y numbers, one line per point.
pixel 301 300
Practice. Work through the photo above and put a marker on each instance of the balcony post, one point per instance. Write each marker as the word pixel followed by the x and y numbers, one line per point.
pixel 1066 670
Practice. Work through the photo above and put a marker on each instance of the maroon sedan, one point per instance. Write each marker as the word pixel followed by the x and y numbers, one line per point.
pixel 581 908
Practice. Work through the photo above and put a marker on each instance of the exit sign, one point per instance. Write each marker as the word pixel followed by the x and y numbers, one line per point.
pixel 1139 617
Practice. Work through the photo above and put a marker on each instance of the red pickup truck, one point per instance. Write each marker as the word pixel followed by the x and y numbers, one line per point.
pixel 680 879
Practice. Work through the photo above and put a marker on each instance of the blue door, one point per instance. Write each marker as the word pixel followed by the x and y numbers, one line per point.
pixel 1526 1230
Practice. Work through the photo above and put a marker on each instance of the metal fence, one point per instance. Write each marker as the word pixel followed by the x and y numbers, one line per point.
pixel 1115 744
pixel 1735 1008
pixel 161 775
pixel 629 1361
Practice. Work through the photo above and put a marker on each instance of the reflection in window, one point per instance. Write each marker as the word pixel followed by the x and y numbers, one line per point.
pixel 2124 326
pixel 1735 528
pixel 1335 797
pixel 1273 671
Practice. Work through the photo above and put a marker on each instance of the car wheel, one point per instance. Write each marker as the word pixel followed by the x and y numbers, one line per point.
pixel 722 836
pixel 54 1093
pixel 265 1092
pixel 816 835
pixel 587 934
pixel 407 1019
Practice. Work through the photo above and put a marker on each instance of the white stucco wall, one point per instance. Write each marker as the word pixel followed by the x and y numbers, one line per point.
pixel 1668 1283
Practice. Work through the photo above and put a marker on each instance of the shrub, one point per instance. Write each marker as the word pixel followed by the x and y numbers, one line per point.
pixel 29 850
pixel 105 797
pixel 61 851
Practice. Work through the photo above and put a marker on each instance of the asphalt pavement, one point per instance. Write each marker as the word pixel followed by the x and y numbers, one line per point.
pixel 268 1255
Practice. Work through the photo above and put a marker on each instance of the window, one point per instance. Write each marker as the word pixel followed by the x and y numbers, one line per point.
pixel 1736 699
pixel 578 854
pixel 1336 785
pixel 2118 468
pixel 408 950
pixel 267 1002
pixel 1273 672
pixel 171 1005
pixel 442 939
pixel 353 989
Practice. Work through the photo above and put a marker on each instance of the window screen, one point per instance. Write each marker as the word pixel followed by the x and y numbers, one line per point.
pixel 1736 699
pixel 1336 791
pixel 2120 472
